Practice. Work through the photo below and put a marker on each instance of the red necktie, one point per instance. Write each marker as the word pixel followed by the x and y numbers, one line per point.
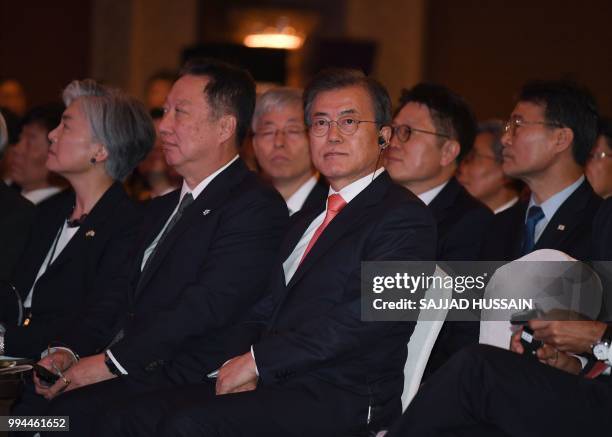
pixel 335 203
pixel 599 368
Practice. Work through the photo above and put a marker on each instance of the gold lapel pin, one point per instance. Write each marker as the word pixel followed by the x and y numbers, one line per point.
pixel 561 227
pixel 90 234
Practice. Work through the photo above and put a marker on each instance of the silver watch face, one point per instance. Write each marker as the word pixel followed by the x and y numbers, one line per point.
pixel 600 350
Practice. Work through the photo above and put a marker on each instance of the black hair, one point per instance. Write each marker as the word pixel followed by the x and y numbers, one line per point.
pixel 604 129
pixel 450 113
pixel 335 78
pixel 48 116
pixel 569 105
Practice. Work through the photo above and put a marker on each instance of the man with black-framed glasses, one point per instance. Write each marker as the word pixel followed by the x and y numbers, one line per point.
pixel 433 129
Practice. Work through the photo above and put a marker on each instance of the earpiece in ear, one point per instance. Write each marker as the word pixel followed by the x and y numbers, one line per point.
pixel 382 143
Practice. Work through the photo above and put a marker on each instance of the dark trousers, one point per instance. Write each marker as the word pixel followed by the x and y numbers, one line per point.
pixel 86 405
pixel 488 391
pixel 313 409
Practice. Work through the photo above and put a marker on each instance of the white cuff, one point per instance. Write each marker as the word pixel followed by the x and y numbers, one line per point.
pixel 253 355
pixel 115 362
pixel 583 361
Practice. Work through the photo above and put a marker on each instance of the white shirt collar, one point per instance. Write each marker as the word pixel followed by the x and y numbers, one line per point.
pixel 297 199
pixel 428 196
pixel 506 205
pixel 200 187
pixel 349 192
pixel 37 196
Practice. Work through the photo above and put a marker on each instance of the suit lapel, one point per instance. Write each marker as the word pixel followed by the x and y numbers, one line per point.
pixel 445 200
pixel 211 198
pixel 86 234
pixel 349 218
pixel 565 219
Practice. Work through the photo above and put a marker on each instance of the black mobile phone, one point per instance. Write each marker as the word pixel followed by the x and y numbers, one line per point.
pixel 45 375
pixel 529 342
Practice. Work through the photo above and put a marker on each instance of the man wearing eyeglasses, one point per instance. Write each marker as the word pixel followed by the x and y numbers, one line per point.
pixel 433 129
pixel 547 141
pixel 280 142
pixel 313 366
pixel 599 165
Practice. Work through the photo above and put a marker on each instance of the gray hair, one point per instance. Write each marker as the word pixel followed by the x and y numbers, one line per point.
pixel 274 99
pixel 496 129
pixel 3 134
pixel 118 121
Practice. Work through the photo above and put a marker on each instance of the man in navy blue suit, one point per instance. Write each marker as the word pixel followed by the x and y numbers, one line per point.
pixel 312 366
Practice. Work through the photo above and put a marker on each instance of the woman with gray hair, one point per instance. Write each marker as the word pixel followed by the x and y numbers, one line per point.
pixel 81 238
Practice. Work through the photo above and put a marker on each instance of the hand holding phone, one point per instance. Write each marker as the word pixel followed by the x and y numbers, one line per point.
pixel 46 377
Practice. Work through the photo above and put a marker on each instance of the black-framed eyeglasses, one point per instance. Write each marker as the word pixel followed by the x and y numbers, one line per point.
pixel 596 156
pixel 319 126
pixel 404 132
pixel 290 132
pixel 511 125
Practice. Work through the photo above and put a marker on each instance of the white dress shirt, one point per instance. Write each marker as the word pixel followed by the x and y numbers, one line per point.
pixel 37 196
pixel 295 202
pixel 428 196
pixel 506 205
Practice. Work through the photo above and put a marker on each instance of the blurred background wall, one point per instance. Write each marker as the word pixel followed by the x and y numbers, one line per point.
pixel 482 49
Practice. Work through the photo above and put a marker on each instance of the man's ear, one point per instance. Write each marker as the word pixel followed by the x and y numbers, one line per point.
pixel 386 132
pixel 450 152
pixel 227 127
pixel 564 138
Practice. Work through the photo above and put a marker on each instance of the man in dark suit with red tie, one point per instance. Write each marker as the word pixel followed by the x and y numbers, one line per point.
pixel 312 366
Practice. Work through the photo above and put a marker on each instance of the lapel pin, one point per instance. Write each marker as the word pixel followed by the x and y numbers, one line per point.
pixel 206 212
pixel 90 234
pixel 561 227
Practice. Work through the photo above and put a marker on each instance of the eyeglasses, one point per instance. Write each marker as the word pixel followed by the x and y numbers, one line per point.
pixel 404 132
pixel 291 133
pixel 599 155
pixel 347 125
pixel 511 125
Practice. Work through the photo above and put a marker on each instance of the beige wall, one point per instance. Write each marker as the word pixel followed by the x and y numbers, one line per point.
pixel 134 38
pixel 398 26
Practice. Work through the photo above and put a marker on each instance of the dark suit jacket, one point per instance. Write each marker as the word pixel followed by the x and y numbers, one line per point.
pixel 207 272
pixel 77 282
pixel 463 223
pixel 313 329
pixel 16 214
pixel 569 230
pixel 602 232
pixel 317 197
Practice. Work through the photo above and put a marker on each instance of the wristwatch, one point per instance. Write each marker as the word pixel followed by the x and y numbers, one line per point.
pixel 112 368
pixel 601 349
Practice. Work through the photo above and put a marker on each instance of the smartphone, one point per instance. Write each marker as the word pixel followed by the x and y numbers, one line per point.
pixel 529 342
pixel 47 377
